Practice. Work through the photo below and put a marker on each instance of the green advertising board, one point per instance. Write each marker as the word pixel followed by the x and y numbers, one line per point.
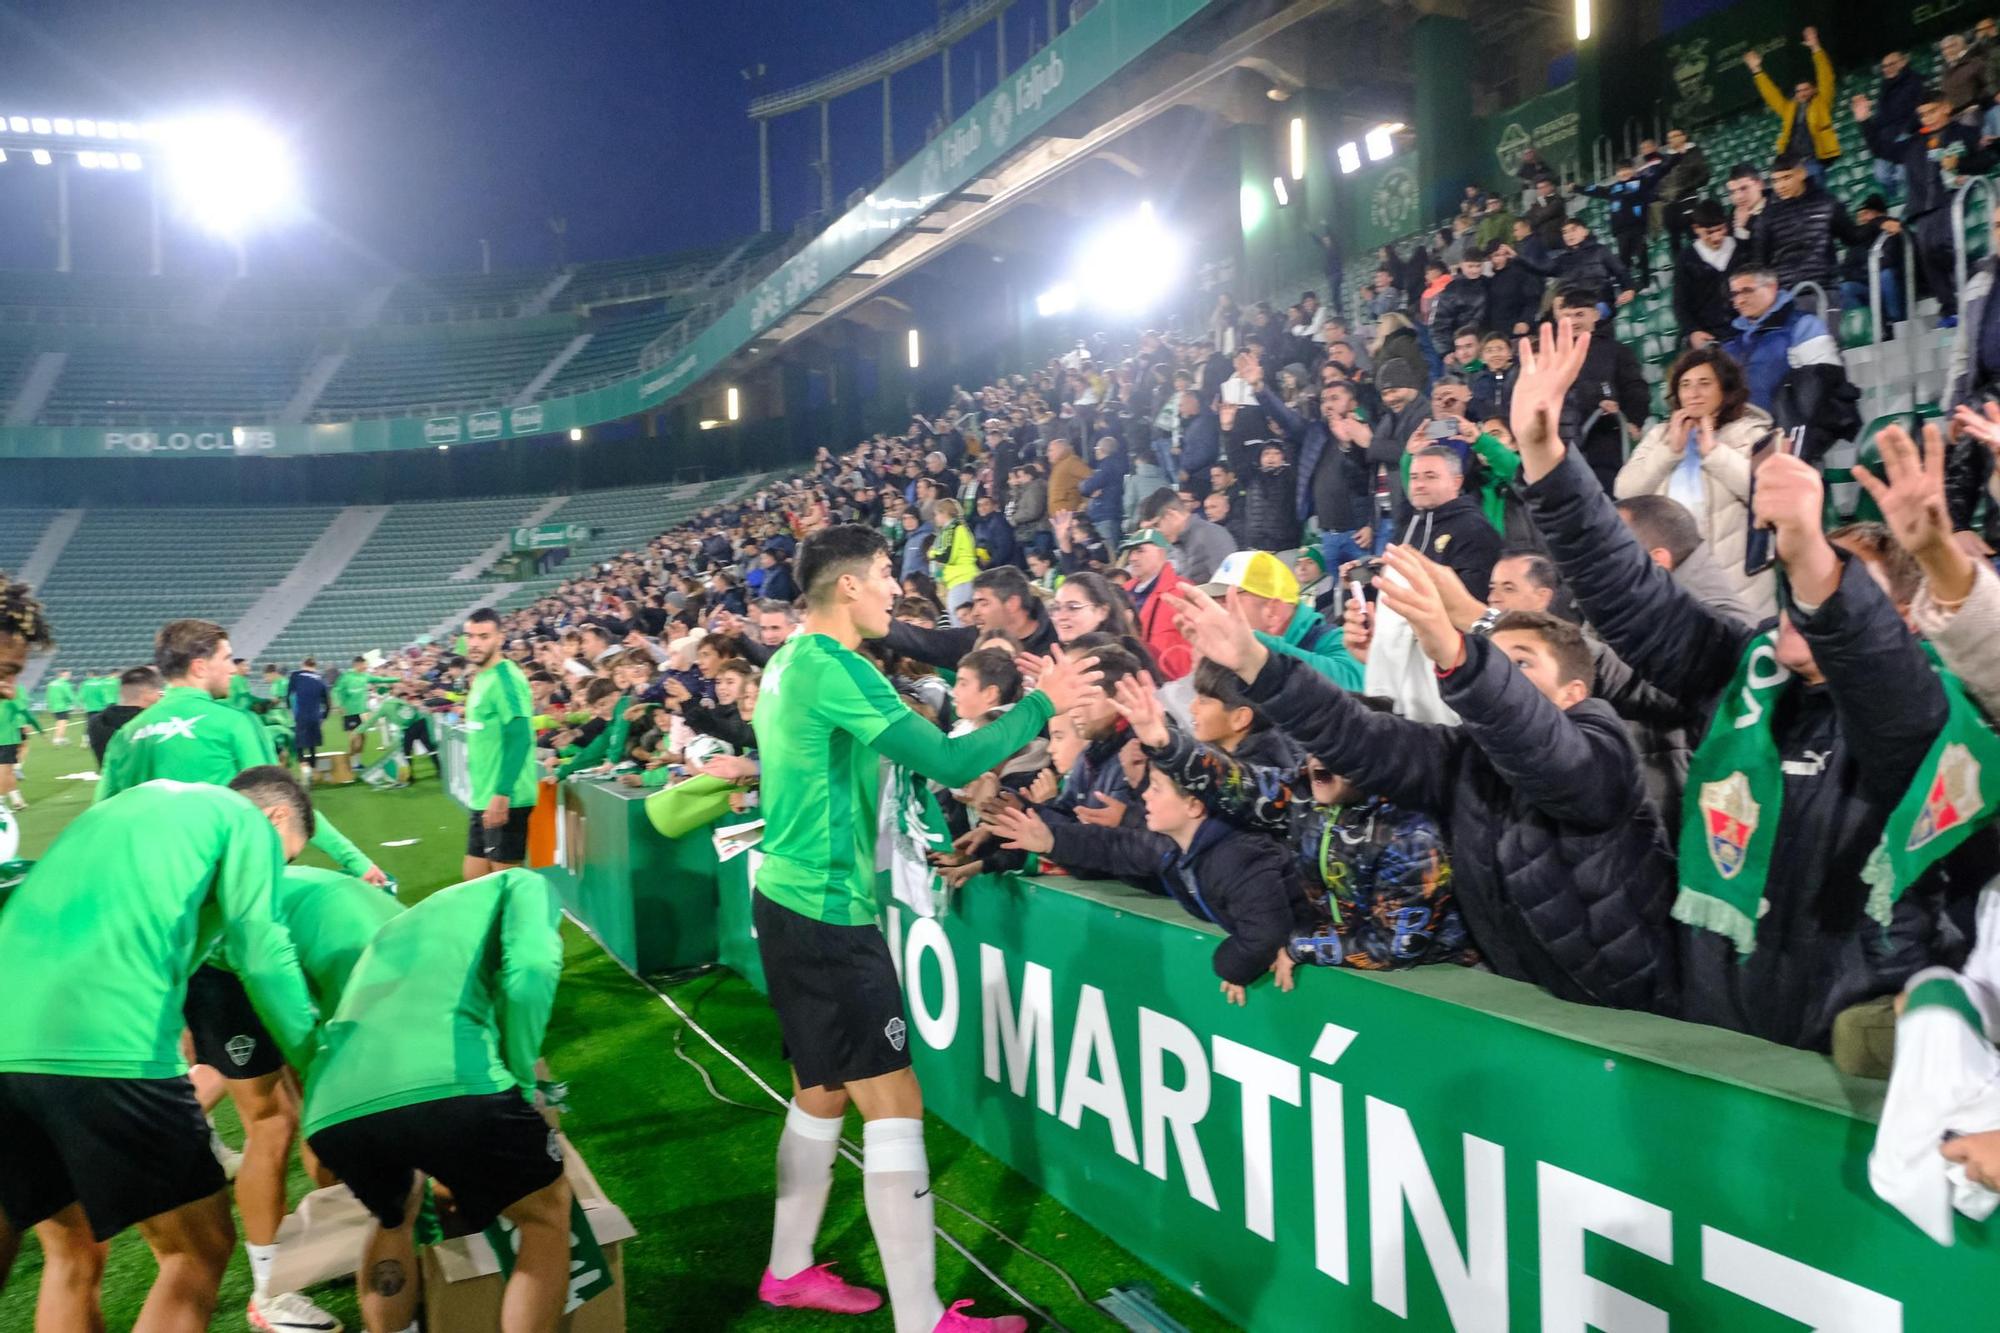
pixel 648 899
pixel 1434 1149
pixel 1548 124
pixel 1697 71
pixel 550 536
pixel 1096 46
pixel 1384 202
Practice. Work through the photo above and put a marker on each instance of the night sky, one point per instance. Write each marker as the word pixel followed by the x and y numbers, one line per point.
pixel 422 127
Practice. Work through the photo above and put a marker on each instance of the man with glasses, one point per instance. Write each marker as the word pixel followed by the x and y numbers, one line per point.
pixel 1773 335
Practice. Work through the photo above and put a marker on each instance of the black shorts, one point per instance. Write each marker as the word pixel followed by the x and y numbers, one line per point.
pixel 352 721
pixel 507 843
pixel 10 754
pixel 490 1151
pixel 125 1148
pixel 62 716
pixel 839 1005
pixel 228 1035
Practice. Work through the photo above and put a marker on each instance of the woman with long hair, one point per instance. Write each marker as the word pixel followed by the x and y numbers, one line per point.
pixel 1090 605
pixel 1700 456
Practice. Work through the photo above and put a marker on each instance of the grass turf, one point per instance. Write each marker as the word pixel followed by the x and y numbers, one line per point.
pixel 694 1174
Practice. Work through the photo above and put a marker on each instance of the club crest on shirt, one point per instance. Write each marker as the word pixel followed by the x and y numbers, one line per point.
pixel 897 1033
pixel 1954 797
pixel 1443 540
pixel 1729 816
pixel 241 1048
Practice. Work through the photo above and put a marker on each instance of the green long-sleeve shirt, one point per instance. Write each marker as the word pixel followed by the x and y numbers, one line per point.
pixel 99 693
pixel 98 942
pixel 241 697
pixel 499 739
pixel 14 717
pixel 61 696
pixel 433 1010
pixel 190 736
pixel 331 918
pixel 350 691
pixel 607 746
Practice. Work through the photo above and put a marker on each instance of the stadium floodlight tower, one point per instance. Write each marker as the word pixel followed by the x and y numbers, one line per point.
pixel 229 174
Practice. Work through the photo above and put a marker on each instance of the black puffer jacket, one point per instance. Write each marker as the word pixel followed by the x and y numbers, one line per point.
pixel 1850 747
pixel 1461 303
pixel 1242 882
pixel 1559 862
pixel 1800 235
pixel 944 646
pixel 1270 513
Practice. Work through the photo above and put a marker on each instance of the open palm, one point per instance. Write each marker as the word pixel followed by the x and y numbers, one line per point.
pixel 1549 366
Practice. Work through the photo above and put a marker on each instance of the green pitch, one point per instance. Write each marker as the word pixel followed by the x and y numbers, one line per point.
pixel 694 1174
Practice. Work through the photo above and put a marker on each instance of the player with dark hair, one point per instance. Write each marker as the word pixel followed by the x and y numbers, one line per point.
pixel 824 716
pixel 499 750
pixel 22 627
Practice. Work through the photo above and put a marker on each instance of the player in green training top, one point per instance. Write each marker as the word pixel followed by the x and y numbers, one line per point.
pixel 15 721
pixel 350 695
pixel 192 735
pixel 22 627
pixel 98 692
pixel 60 700
pixel 99 1126
pixel 499 751
pixel 824 716
pixel 427 1068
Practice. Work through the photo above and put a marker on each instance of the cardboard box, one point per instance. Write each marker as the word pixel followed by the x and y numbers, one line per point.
pixel 321 1240
pixel 462 1282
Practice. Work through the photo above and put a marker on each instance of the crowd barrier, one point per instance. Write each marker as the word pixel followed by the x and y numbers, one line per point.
pixel 1432 1149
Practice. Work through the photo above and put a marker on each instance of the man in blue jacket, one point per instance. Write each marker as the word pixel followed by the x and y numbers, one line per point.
pixel 1773 335
pixel 1104 490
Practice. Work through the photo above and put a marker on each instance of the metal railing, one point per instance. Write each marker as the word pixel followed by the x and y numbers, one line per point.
pixel 948 29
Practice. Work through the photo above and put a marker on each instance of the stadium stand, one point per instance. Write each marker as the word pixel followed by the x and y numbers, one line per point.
pixel 191 376
pixel 487 362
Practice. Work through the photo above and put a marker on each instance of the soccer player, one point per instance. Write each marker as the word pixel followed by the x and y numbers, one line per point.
pixel 139 688
pixel 193 735
pixel 824 716
pixel 427 1068
pixel 98 693
pixel 15 719
pixel 61 700
pixel 307 694
pixel 99 1127
pixel 350 696
pixel 240 696
pixel 22 627
pixel 499 751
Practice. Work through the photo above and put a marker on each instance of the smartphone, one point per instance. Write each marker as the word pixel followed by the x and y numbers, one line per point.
pixel 1759 547
pixel 1444 428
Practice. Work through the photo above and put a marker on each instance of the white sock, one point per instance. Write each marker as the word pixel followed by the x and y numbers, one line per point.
pixel 261 1259
pixel 805 1175
pixel 896 1183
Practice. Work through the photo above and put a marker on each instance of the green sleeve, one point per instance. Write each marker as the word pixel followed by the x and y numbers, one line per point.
pixel 530 968
pixel 654 778
pixel 918 745
pixel 583 756
pixel 255 943
pixel 1334 662
pixel 1502 466
pixel 117 773
pixel 28 720
pixel 607 746
pixel 336 845
pixel 517 744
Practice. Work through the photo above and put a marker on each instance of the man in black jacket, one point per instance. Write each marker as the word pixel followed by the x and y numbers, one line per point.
pixel 1585 261
pixel 1463 301
pixel 1611 383
pixel 1932 159
pixel 1858 710
pixel 1513 293
pixel 1801 224
pixel 1558 859
pixel 1701 278
pixel 1445 523
pixel 138 689
pixel 1002 600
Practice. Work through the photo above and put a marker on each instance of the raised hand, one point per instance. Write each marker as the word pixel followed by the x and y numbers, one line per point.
pixel 1358 627
pixel 1416 599
pixel 1066 680
pixel 1138 702
pixel 1023 831
pixel 1459 603
pixel 1791 499
pixel 1045 788
pixel 1549 365
pixel 1910 495
pixel 1106 813
pixel 1221 633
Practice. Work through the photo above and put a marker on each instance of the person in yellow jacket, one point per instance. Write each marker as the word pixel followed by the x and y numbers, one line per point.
pixel 954 554
pixel 1806 118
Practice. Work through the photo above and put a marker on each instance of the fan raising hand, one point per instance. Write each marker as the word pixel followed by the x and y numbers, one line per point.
pixel 1547 371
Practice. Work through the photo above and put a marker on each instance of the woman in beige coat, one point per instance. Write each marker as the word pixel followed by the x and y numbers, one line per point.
pixel 1700 456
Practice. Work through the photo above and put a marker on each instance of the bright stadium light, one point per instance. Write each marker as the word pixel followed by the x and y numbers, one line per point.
pixel 87 128
pixel 1131 264
pixel 230 175
pixel 64 125
pixel 916 355
pixel 40 125
pixel 1278 188
pixel 1298 148
pixel 576 435
pixel 88 160
pixel 1350 158
pixel 1583 20
pixel 41 156
pixel 127 130
pixel 1379 143
pixel 708 423
pixel 1057 300
pixel 18 124
pixel 130 161
pixel 733 404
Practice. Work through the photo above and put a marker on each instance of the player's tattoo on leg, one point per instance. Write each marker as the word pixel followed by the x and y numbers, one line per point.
pixel 387 1278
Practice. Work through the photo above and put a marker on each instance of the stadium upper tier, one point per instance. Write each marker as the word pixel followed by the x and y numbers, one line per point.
pixel 102 349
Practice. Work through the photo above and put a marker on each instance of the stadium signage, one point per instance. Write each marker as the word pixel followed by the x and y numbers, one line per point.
pixel 441 430
pixel 484 426
pixel 240 440
pixel 1037 81
pixel 1281 1158
pixel 525 420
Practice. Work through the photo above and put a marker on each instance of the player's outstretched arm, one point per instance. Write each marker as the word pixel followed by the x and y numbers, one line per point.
pixel 531 959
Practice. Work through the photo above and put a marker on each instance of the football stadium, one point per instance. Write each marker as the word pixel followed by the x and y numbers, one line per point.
pixel 1149 664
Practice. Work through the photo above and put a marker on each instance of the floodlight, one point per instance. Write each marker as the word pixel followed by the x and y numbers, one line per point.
pixel 708 423
pixel 1057 300
pixel 1350 159
pixel 88 160
pixel 1278 188
pixel 18 124
pixel 87 128
pixel 1378 143
pixel 40 125
pixel 576 435
pixel 230 174
pixel 1131 264
pixel 1583 20
pixel 734 405
pixel 64 125
pixel 3 155
pixel 127 130
pixel 1298 149
pixel 915 353
pixel 131 161
pixel 41 156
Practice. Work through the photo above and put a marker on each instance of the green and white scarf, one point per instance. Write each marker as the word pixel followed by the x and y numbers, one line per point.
pixel 1736 786
pixel 1956 791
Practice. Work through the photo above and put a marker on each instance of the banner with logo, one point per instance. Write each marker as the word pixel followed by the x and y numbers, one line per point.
pixel 1548 124
pixel 1437 1149
pixel 550 536
pixel 1384 202
pixel 1096 46
pixel 1698 72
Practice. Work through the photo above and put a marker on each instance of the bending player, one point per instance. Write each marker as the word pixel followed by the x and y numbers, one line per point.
pixel 499 751
pixel 193 735
pixel 427 1068
pixel 99 1127
pixel 824 716
pixel 22 627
